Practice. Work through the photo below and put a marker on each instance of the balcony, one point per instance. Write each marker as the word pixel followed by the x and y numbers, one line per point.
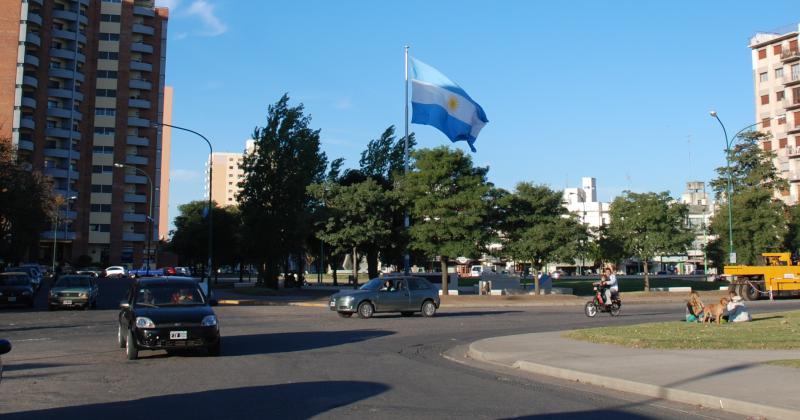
pixel 64 113
pixel 135 179
pixel 793 129
pixel 35 18
pixel 791 79
pixel 28 102
pixel 33 38
pixel 63 133
pixel 138 141
pixel 138 28
pixel 144 11
pixel 59 153
pixel 65 74
pixel 135 160
pixel 68 35
pixel 140 84
pixel 139 103
pixel 790 104
pixel 60 235
pixel 790 55
pixel 61 173
pixel 27 122
pixel 793 151
pixel 30 81
pixel 142 47
pixel 138 122
pixel 70 16
pixel 141 66
pixel 133 237
pixel 134 217
pixel 67 54
pixel 32 60
pixel 65 93
pixel 25 145
pixel 135 198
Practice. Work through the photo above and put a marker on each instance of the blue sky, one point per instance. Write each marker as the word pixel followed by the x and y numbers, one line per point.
pixel 616 90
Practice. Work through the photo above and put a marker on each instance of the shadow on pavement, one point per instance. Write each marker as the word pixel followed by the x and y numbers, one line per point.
pixel 451 314
pixel 283 401
pixel 593 414
pixel 9 367
pixel 244 345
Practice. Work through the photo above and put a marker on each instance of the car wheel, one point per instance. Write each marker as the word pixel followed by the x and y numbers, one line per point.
pixel 130 347
pixel 87 306
pixel 615 309
pixel 428 309
pixel 51 308
pixel 120 337
pixel 216 349
pixel 408 313
pixel 365 310
pixel 345 314
pixel 30 304
pixel 590 309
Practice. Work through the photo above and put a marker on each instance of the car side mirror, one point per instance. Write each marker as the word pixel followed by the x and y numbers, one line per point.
pixel 5 346
pixel 213 302
pixel 124 305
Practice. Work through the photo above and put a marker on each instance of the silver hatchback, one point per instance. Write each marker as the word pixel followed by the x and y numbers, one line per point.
pixel 406 295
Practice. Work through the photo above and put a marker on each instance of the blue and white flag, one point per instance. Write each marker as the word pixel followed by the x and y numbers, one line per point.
pixel 439 102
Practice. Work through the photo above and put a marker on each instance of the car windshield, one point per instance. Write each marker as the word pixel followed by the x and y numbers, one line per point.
pixel 169 295
pixel 374 284
pixel 73 281
pixel 22 269
pixel 14 281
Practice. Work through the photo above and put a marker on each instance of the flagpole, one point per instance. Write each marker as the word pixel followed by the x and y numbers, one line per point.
pixel 406 257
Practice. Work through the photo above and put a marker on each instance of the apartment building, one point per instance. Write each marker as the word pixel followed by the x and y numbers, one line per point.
pixel 81 85
pixel 582 201
pixel 701 210
pixel 227 172
pixel 776 75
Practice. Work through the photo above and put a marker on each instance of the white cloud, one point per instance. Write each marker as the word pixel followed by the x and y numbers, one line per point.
pixel 205 11
pixel 170 4
pixel 184 175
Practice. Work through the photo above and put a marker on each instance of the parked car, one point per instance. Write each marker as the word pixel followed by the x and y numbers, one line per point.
pixel 16 288
pixel 115 271
pixel 90 271
pixel 169 313
pixel 5 347
pixel 183 271
pixel 699 272
pixel 74 291
pixel 32 272
pixel 406 295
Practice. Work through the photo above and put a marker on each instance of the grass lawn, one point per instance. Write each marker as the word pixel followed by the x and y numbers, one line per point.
pixel 584 287
pixel 795 363
pixel 766 331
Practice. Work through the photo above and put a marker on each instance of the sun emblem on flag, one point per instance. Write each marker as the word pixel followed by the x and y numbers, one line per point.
pixel 452 103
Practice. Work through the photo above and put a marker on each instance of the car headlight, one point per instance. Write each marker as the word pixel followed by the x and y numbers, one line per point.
pixel 53 293
pixel 142 322
pixel 209 321
pixel 26 293
pixel 82 294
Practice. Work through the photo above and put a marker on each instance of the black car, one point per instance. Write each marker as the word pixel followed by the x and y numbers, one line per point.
pixel 5 347
pixel 16 288
pixel 167 313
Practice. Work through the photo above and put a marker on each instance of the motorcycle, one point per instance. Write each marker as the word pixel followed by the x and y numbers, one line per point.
pixel 597 304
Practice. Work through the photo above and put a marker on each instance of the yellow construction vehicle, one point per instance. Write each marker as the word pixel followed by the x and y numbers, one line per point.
pixel 780 276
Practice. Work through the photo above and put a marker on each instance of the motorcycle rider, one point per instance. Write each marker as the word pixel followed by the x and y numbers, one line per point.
pixel 610 285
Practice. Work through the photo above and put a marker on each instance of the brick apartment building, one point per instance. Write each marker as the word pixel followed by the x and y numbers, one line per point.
pixel 81 84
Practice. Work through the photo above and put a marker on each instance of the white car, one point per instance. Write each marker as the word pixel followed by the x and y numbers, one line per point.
pixel 115 271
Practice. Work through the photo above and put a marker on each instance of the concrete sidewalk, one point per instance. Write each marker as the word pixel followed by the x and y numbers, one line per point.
pixel 732 380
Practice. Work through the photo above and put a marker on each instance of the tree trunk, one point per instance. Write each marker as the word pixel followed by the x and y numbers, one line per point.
pixel 332 262
pixel 646 277
pixel 301 268
pixel 271 276
pixel 537 285
pixel 445 289
pixel 372 261
pixel 355 268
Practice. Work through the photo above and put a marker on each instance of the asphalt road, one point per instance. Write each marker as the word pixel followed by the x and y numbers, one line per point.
pixel 293 362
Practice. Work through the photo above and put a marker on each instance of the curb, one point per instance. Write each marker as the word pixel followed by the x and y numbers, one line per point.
pixel 648 390
pixel 257 302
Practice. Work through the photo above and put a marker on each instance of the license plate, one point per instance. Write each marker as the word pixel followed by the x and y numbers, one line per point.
pixel 12 299
pixel 177 335
pixel 333 304
pixel 67 302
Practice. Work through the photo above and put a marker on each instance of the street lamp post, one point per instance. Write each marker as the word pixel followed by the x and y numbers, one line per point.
pixel 59 200
pixel 728 144
pixel 150 209
pixel 210 209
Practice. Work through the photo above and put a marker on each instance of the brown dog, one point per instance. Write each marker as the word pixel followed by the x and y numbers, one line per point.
pixel 715 310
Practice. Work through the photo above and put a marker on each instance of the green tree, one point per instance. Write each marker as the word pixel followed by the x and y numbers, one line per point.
pixel 447 198
pixel 190 236
pixel 275 206
pixel 649 224
pixel 759 219
pixel 27 204
pixel 538 228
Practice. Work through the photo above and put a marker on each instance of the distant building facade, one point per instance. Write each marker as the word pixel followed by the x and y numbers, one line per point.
pixel 226 172
pixel 582 201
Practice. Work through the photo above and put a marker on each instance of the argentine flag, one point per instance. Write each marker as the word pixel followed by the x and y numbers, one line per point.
pixel 439 102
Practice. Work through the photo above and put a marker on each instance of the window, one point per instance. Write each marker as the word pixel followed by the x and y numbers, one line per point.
pixel 765 123
pixel 776 49
pixel 108 55
pixel 762 77
pixel 109 18
pixel 230 167
pixel 764 99
pixel 782 143
pixel 106 150
pixel 108 93
pixel 797 141
pixel 230 183
pixel 108 37
pixel 779 73
pixel 767 146
pixel 105 111
pixel 781 120
pixel 796 95
pixel 101 188
pixel 762 53
pixel 99 228
pixel 101 208
pixel 795 71
pixel 104 131
pixel 779 95
pixel 102 169
pixel 107 74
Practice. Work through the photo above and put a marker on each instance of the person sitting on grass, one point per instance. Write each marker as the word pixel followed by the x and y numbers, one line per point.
pixel 694 308
pixel 737 311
